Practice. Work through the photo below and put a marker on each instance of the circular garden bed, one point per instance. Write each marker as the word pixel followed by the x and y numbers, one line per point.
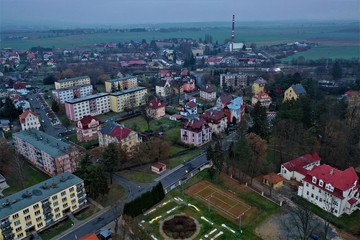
pixel 179 227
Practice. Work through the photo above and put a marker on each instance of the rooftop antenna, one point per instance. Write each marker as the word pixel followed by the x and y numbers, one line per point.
pixel 233 33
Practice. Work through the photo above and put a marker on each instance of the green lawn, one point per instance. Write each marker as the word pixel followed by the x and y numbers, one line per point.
pixel 176 149
pixel 32 177
pixel 183 158
pixel 116 192
pixel 56 230
pixel 137 176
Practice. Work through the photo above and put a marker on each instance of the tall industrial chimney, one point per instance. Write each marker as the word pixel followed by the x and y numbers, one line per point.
pixel 233 33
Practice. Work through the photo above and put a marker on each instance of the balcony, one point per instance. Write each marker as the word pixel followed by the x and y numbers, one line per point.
pixel 5 223
pixel 6 230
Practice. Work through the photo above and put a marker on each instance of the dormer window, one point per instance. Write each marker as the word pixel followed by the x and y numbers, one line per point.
pixel 313 179
pixel 321 183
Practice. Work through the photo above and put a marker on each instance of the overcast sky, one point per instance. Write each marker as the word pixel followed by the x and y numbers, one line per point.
pixel 124 12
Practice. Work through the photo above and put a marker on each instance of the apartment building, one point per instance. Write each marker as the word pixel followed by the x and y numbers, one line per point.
pixel 46 152
pixel 40 206
pixel 67 94
pixel 333 190
pixel 130 98
pixel 29 120
pixel 120 84
pixel 233 80
pixel 93 105
pixel 70 82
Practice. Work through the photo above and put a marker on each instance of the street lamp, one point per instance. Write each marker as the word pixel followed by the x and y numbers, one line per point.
pixel 240 219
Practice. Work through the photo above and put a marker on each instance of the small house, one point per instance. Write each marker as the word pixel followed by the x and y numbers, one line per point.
pixel 158 168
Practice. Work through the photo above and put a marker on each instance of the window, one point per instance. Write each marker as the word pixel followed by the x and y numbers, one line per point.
pixel 313 187
pixel 37 212
pixel 40 225
pixel 65 205
pixel 20 235
pixel 307 184
pixel 313 179
pixel 36 206
pixel 27 217
pixel 321 183
pixel 18 229
pixel 56 203
pixel 15 216
pixel 38 219
pixel 17 222
pixel 26 211
pixel 307 193
pixel 56 209
pixel 64 199
pixel 320 199
pixel 312 195
pixel 57 215
pixel 54 197
pixel 320 191
pixel 71 189
pixel 28 224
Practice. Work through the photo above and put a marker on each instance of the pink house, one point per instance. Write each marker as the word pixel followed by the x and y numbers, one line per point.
pixel 189 85
pixel 196 132
pixel 87 128
pixel 155 108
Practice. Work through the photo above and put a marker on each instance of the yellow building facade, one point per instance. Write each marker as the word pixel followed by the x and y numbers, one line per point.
pixel 40 206
pixel 131 98
pixel 294 92
pixel 70 82
pixel 120 84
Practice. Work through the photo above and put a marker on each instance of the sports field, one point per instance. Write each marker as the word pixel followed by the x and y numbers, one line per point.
pixel 223 201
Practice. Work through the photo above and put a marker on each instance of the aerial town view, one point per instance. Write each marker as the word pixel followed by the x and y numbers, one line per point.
pixel 160 120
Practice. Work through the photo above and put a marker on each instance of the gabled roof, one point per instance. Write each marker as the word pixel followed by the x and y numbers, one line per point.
pixel 161 83
pixel 116 130
pixel 298 89
pixel 156 103
pixel 208 89
pixel 24 115
pixel 300 162
pixel 225 99
pixel 86 120
pixel 190 104
pixel 261 81
pixel 236 103
pixel 195 124
pixel 213 115
pixel 273 178
pixel 262 95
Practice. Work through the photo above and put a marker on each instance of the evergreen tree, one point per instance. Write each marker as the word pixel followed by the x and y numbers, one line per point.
pixel 111 159
pixel 336 71
pixel 9 110
pixel 54 105
pixel 99 184
pixel 261 124
pixel 84 169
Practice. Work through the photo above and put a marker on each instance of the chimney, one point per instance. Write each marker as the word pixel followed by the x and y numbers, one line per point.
pixel 331 172
pixel 233 33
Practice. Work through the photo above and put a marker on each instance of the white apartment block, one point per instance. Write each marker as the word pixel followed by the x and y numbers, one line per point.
pixel 333 190
pixel 29 120
pixel 130 98
pixel 70 93
pixel 95 104
pixel 40 206
pixel 70 82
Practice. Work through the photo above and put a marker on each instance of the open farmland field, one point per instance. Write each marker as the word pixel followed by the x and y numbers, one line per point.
pixel 339 36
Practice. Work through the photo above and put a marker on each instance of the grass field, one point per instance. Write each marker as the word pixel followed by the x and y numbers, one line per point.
pixel 326 34
pixel 222 200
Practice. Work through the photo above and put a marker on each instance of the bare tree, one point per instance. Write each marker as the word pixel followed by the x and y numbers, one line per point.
pixel 300 223
pixel 18 168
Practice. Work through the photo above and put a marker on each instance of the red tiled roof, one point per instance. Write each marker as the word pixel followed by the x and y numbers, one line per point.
pixel 159 165
pixel 25 114
pixel 352 201
pixel 208 89
pixel 225 99
pixel 213 115
pixel 91 236
pixel 86 120
pixel 120 132
pixel 156 103
pixel 301 161
pixel 195 124
pixel 190 104
pixel 274 178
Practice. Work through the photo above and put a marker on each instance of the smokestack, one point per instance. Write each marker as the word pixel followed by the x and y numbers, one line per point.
pixel 233 33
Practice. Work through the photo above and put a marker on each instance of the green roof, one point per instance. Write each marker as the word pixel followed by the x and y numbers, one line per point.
pixel 43 141
pixel 128 91
pixel 71 79
pixel 29 196
pixel 120 79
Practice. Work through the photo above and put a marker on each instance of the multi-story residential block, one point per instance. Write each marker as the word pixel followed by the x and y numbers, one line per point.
pixel 29 120
pixel 333 190
pixel 208 93
pixel 70 82
pixel 235 110
pixel 46 152
pixel 87 128
pixel 263 98
pixel 93 105
pixel 155 109
pixel 120 84
pixel 66 94
pixel 196 132
pixel 216 119
pixel 298 167
pixel 233 80
pixel 294 92
pixel 258 85
pixel 40 206
pixel 128 99
pixel 116 133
